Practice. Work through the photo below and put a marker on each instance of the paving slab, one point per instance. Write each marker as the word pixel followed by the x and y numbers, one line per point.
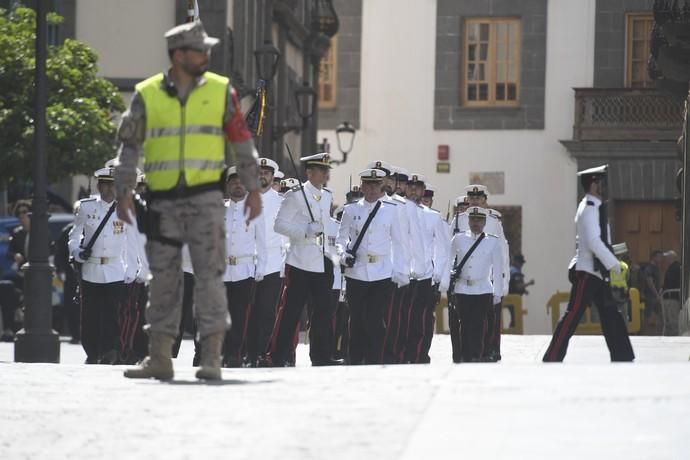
pixel 517 409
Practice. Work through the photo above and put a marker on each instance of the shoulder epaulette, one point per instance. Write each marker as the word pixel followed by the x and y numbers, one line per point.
pixel 491 235
pixel 348 204
pixel 389 202
pixel 494 216
pixel 399 198
pixel 84 200
pixel 327 190
pixel 435 210
pixel 590 203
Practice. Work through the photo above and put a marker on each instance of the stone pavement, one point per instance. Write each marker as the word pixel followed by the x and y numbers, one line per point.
pixel 516 409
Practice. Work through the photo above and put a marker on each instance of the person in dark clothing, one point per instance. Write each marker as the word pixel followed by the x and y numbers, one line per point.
pixel 672 276
pixel 69 278
pixel 13 285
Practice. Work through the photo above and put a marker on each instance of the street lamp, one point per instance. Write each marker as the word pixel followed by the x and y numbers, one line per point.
pixel 267 56
pixel 345 135
pixel 306 100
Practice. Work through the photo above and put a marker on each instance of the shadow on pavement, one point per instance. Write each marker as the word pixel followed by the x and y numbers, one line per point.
pixel 213 383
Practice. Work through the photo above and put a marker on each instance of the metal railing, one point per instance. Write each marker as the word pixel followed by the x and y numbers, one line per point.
pixel 626 114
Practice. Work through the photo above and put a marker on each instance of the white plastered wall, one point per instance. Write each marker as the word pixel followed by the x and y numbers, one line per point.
pixel 126 34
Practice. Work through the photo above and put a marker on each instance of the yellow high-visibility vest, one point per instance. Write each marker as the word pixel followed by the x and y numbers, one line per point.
pixel 620 280
pixel 185 139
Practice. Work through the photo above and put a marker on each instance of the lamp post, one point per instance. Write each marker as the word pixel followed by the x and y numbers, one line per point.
pixel 345 136
pixel 267 57
pixel 37 342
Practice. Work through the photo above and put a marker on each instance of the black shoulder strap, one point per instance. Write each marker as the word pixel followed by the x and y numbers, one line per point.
pixel 469 253
pixel 353 249
pixel 98 231
pixel 457 223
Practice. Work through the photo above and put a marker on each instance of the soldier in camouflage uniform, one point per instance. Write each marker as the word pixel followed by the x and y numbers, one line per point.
pixel 182 119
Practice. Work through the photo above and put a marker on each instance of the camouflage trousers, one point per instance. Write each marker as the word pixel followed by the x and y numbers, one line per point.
pixel 197 221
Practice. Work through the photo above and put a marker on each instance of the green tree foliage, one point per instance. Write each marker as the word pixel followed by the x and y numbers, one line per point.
pixel 80 111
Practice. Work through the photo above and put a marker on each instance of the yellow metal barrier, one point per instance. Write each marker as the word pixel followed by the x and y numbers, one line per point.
pixel 588 326
pixel 512 303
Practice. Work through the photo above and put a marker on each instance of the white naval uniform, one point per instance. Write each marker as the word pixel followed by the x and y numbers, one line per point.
pixel 588 239
pixel 493 226
pixel 275 242
pixel 416 234
pixel 440 248
pixel 107 261
pixel 245 244
pixel 305 253
pixel 487 259
pixel 379 255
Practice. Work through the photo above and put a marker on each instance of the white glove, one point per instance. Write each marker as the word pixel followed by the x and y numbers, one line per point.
pixel 616 268
pixel 436 279
pixel 143 276
pixel 258 277
pixel 313 229
pixel 443 286
pixel 77 258
pixel 400 279
pixel 497 299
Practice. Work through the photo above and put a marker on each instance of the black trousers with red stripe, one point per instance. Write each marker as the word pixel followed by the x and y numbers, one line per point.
pixel 341 330
pixel 131 320
pixel 263 315
pixel 302 287
pixel 369 303
pixel 473 310
pixel 240 297
pixel 588 289
pixel 421 322
pixel 395 334
pixel 492 339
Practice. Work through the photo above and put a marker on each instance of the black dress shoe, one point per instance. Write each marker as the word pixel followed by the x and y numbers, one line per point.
pixel 328 362
pixel 110 358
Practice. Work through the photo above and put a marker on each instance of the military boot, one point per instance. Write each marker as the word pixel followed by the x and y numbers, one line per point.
pixel 158 364
pixel 211 347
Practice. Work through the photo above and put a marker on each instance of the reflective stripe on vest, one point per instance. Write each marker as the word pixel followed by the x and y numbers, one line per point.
pixel 185 139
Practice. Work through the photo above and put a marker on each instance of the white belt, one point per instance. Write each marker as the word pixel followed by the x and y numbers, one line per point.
pixel 101 260
pixel 239 260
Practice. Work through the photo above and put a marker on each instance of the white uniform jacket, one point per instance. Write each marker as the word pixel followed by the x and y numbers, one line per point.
pixel 415 236
pixel 588 238
pixel 275 242
pixel 487 259
pixel 494 226
pixel 380 252
pixel 245 243
pixel 436 245
pixel 293 220
pixel 107 261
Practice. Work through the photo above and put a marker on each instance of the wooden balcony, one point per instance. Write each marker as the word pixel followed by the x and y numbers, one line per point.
pixel 607 114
